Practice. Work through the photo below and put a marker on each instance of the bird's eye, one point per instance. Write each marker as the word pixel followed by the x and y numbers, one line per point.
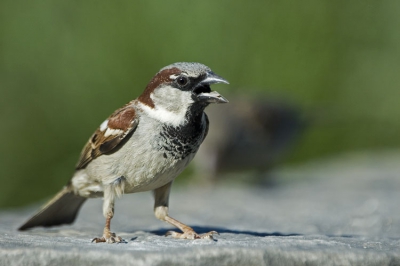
pixel 182 80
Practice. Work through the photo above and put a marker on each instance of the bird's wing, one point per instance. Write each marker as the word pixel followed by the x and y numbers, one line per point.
pixel 109 135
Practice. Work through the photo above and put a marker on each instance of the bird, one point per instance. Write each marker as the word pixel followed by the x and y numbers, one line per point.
pixel 253 134
pixel 142 146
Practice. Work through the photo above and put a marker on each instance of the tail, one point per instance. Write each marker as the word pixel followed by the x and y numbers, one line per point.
pixel 61 209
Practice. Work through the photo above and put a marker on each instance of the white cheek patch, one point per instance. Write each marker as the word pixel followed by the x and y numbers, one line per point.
pixel 104 125
pixel 165 116
pixel 170 105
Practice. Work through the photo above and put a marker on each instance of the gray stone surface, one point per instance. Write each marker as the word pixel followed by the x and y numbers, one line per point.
pixel 344 211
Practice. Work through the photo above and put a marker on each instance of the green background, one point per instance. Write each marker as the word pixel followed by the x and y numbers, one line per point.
pixel 66 65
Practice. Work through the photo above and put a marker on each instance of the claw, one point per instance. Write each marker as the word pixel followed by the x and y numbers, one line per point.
pixel 112 238
pixel 98 239
pixel 192 235
pixel 209 235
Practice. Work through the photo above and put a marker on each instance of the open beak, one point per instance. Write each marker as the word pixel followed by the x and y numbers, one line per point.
pixel 203 91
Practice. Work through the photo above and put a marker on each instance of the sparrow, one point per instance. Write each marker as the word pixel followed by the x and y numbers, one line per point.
pixel 253 134
pixel 142 146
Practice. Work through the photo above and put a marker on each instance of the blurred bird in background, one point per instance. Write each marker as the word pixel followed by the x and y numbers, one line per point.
pixel 251 134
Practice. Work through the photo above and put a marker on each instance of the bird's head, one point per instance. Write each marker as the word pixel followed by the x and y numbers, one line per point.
pixel 181 88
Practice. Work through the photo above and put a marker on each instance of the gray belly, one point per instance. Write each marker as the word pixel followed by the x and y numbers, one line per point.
pixel 152 156
pixel 144 165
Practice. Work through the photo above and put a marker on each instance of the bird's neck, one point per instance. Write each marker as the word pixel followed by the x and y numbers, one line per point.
pixel 179 117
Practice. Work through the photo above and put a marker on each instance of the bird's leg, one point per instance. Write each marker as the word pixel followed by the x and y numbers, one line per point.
pixel 108 236
pixel 161 197
pixel 108 211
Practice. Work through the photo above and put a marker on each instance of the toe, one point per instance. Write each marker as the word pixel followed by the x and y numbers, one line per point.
pixel 176 235
pixel 115 239
pixel 98 240
pixel 208 235
pixel 112 238
pixel 191 235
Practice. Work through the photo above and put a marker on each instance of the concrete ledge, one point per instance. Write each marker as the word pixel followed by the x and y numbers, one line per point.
pixel 340 212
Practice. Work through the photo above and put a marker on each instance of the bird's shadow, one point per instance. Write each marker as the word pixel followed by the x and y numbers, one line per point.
pixel 202 230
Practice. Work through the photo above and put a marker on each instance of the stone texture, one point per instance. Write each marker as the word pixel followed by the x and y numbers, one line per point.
pixel 343 211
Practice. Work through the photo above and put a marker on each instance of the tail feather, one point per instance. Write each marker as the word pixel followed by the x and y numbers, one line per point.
pixel 61 209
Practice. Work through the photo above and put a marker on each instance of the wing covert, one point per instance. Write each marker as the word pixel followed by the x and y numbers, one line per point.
pixel 109 135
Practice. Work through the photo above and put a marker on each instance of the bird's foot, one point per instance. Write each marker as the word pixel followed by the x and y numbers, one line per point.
pixel 192 235
pixel 108 238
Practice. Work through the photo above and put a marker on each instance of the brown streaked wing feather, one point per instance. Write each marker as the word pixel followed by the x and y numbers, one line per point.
pixel 124 121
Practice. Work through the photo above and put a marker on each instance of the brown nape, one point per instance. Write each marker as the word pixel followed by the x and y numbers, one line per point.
pixel 161 77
